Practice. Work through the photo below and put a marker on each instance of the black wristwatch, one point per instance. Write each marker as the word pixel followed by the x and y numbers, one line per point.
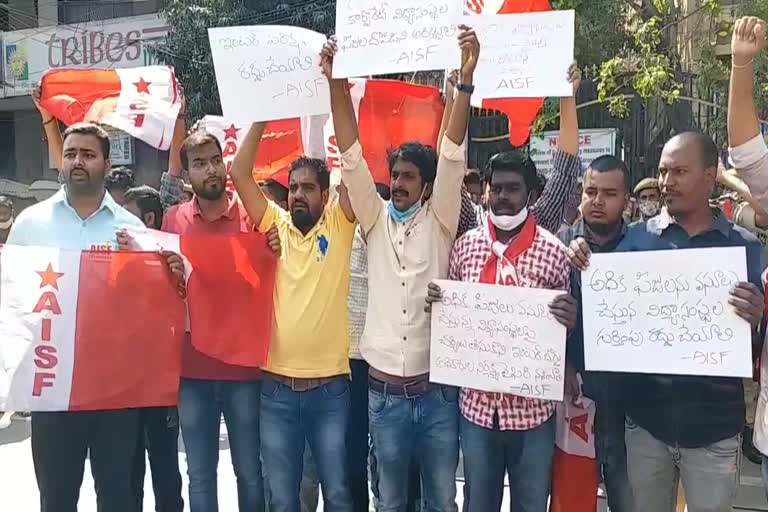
pixel 467 89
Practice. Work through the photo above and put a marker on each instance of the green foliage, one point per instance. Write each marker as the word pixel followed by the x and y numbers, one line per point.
pixel 187 49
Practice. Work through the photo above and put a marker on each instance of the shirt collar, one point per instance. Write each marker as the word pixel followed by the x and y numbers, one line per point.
pixel 581 230
pixel 107 203
pixel 230 213
pixel 720 224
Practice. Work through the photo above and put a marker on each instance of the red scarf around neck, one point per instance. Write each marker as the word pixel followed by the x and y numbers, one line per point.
pixel 518 246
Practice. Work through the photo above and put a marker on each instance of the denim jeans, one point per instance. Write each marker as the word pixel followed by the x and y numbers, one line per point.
pixel 525 454
pixel 422 429
pixel 201 404
pixel 612 456
pixel 159 436
pixel 709 474
pixel 288 419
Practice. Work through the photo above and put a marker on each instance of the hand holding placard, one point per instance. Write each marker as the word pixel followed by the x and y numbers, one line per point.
pixel 641 316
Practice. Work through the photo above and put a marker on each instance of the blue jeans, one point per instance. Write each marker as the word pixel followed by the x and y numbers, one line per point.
pixel 612 456
pixel 201 404
pixel 422 429
pixel 525 454
pixel 288 419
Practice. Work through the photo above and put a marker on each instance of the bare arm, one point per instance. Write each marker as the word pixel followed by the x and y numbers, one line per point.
pixel 51 127
pixel 568 140
pixel 748 39
pixel 250 193
pixel 174 154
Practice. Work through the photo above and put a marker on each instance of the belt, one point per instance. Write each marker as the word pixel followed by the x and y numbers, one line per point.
pixel 408 390
pixel 296 384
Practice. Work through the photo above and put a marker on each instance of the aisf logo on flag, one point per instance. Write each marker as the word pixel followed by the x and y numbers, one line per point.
pixel 46 358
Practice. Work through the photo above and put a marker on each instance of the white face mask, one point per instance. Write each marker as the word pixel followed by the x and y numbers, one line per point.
pixel 649 208
pixel 7 224
pixel 508 222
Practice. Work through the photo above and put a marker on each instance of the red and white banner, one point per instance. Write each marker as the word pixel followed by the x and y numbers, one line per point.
pixel 389 112
pixel 230 285
pixel 87 330
pixel 521 112
pixel 143 102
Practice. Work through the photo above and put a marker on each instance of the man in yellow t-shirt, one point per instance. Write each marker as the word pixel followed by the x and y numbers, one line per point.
pixel 305 390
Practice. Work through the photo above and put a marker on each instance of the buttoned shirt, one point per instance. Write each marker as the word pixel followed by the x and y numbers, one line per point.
pixel 688 410
pixel 402 259
pixel 54 223
pixel 357 301
pixel 543 265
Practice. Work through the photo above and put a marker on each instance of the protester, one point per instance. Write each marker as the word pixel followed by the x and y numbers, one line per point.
pixel 473 182
pixel 602 228
pixel 409 239
pixel 306 389
pixel 210 388
pixel 118 181
pixel 749 155
pixel 80 216
pixel 51 128
pixel 505 433
pixel 158 426
pixel 648 197
pixel 671 433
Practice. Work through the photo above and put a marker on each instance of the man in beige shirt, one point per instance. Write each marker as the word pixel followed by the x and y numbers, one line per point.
pixel 409 243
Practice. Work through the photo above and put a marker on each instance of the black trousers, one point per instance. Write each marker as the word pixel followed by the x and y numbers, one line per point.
pixel 159 435
pixel 61 441
pixel 357 436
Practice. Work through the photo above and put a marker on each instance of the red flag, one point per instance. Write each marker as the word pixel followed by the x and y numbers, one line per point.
pixel 87 330
pixel 142 101
pixel 229 293
pixel 230 282
pixel 391 113
pixel 280 145
pixel 521 112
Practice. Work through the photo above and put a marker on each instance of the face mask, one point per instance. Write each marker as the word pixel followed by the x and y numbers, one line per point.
pixel 649 208
pixel 508 222
pixel 399 217
pixel 7 224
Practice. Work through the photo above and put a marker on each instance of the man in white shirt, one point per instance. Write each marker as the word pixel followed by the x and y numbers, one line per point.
pixel 409 242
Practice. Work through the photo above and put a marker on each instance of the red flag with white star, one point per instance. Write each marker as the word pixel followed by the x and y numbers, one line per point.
pixel 87 330
pixel 143 102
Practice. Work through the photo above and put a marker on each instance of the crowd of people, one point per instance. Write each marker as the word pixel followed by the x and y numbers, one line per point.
pixel 346 391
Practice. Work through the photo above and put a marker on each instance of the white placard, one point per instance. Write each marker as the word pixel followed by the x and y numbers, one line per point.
pixel 269 72
pixel 592 144
pixel 523 55
pixel 498 338
pixel 666 312
pixel 377 37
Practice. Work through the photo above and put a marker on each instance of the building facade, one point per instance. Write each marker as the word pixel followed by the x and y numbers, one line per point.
pixel 46 34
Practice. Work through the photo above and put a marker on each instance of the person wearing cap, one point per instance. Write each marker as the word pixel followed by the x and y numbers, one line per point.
pixel 648 196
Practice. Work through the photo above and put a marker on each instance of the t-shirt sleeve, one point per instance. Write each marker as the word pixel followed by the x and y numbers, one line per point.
pixel 274 215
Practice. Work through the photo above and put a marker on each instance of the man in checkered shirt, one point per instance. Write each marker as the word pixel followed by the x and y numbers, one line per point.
pixel 501 432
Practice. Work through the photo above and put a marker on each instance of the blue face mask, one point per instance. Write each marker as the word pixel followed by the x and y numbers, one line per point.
pixel 400 217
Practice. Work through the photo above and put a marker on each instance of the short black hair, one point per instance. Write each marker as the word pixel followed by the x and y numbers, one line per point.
pixel 608 163
pixel 276 190
pixel 316 164
pixel 148 200
pixel 194 140
pixel 710 155
pixel 418 154
pixel 514 161
pixel 90 129
pixel 472 177
pixel 383 191
pixel 120 178
pixel 541 183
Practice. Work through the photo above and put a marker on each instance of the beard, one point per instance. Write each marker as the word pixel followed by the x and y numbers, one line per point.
pixel 303 219
pixel 210 190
